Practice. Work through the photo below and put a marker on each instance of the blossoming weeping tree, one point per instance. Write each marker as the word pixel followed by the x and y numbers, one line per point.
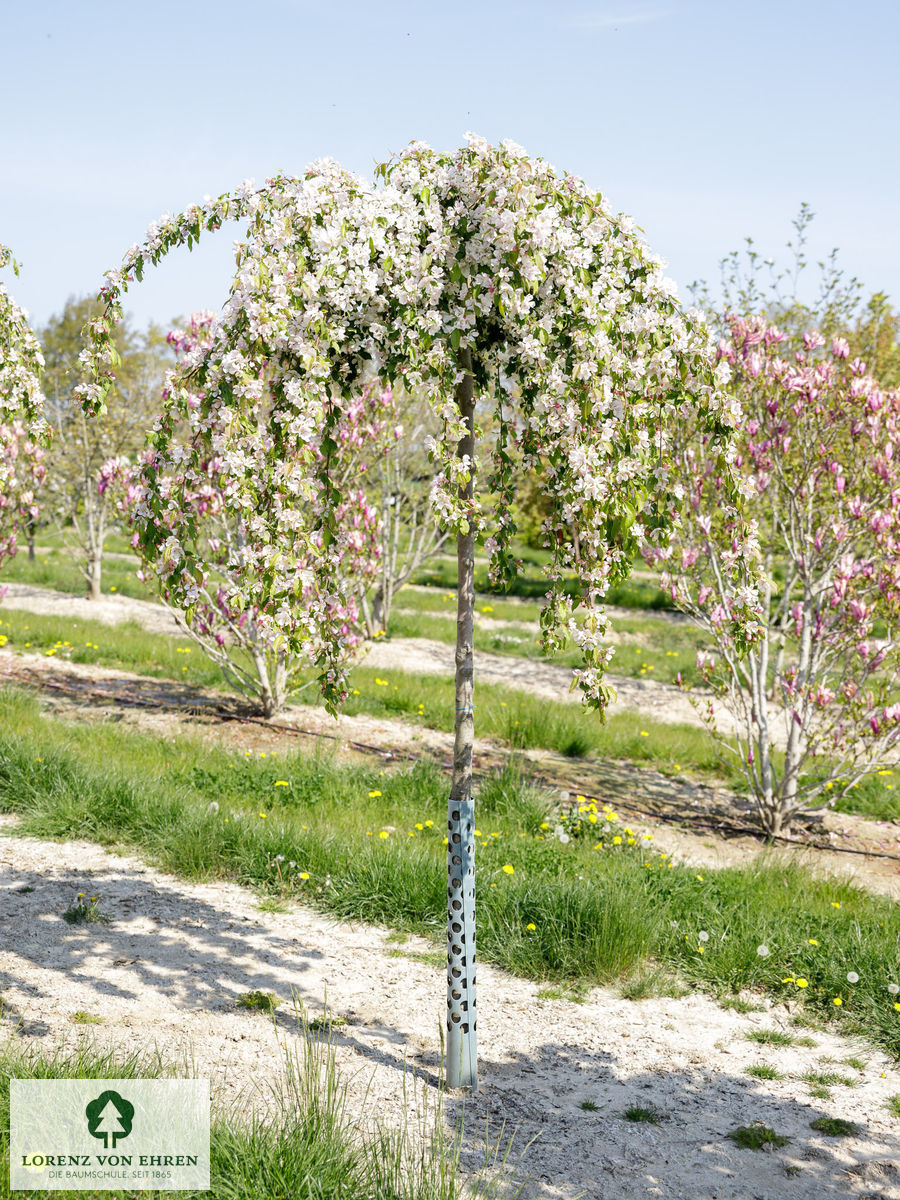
pixel 220 539
pixel 23 429
pixel 477 271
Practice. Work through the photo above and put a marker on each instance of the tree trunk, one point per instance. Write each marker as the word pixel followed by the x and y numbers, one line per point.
pixel 95 567
pixel 461 1058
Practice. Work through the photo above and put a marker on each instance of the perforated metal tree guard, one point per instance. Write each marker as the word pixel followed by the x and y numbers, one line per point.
pixel 462 1058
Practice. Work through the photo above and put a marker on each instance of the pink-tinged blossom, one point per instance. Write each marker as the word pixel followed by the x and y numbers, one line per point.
pixel 818 451
pixel 23 430
pixel 482 255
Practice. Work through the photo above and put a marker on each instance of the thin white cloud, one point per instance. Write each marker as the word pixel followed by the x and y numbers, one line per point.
pixel 616 20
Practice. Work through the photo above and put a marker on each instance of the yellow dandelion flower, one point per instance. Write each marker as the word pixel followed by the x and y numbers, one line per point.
pixel 263 816
pixel 531 926
pixel 812 942
pixel 372 795
pixel 384 834
pixel 802 983
pixel 303 875
pixel 838 1001
pixel 508 869
pixel 282 783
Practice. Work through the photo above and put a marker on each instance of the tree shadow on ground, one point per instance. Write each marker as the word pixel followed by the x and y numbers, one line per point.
pixel 166 952
pixel 597 1153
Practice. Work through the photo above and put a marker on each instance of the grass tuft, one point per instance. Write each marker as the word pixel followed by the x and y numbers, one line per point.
pixel 641 1113
pixel 259 1001
pixel 771 1037
pixel 764 1071
pixel 834 1127
pixel 757 1137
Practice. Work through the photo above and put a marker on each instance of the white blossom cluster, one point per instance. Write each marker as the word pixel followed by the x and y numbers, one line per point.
pixel 23 428
pixel 573 330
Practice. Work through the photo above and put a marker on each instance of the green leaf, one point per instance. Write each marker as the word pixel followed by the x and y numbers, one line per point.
pixel 455 340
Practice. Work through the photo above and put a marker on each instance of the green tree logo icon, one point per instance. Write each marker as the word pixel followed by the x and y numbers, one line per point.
pixel 109 1117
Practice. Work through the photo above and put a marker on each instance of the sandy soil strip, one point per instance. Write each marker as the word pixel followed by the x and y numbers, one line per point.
pixel 167 970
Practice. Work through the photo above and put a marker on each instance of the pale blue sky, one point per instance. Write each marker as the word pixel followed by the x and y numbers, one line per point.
pixel 706 120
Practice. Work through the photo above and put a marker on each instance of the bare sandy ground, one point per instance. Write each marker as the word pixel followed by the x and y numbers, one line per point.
pixel 166 973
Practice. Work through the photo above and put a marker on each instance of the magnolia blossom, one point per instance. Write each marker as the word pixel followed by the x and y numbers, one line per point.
pixel 23 429
pixel 819 452
pixel 570 323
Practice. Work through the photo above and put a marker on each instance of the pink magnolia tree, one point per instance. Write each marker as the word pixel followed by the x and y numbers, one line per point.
pixel 218 604
pixel 814 703
pixel 23 430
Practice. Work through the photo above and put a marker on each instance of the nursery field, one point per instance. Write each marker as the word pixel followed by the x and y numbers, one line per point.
pixel 660 993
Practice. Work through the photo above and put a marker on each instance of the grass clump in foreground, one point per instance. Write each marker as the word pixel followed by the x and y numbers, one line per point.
pixel 834 1126
pixel 85 910
pixel 308 1147
pixel 641 1113
pixel 367 844
pixel 764 1071
pixel 259 1001
pixel 757 1137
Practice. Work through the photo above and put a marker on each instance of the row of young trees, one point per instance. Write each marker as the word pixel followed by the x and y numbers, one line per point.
pixel 813 700
pixel 262 502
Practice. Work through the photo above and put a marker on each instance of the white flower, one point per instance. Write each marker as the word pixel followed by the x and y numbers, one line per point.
pixel 894 988
pixel 702 936
pixel 762 951
pixel 213 806
pixel 852 977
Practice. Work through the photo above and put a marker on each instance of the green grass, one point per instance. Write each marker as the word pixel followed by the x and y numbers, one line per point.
pixel 589 1106
pixel 641 1113
pixel 892 1104
pixel 527 721
pixel 59 567
pixel 764 1071
pixel 757 1136
pixel 834 1127
pixel 638 591
pixel 828 1078
pixel 665 648
pixel 599 916
pixel 126 646
pixel 738 1004
pixel 512 715
pixel 265 1002
pixel 307 1147
pixel 86 1018
pixel 771 1037
pixel 86 910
